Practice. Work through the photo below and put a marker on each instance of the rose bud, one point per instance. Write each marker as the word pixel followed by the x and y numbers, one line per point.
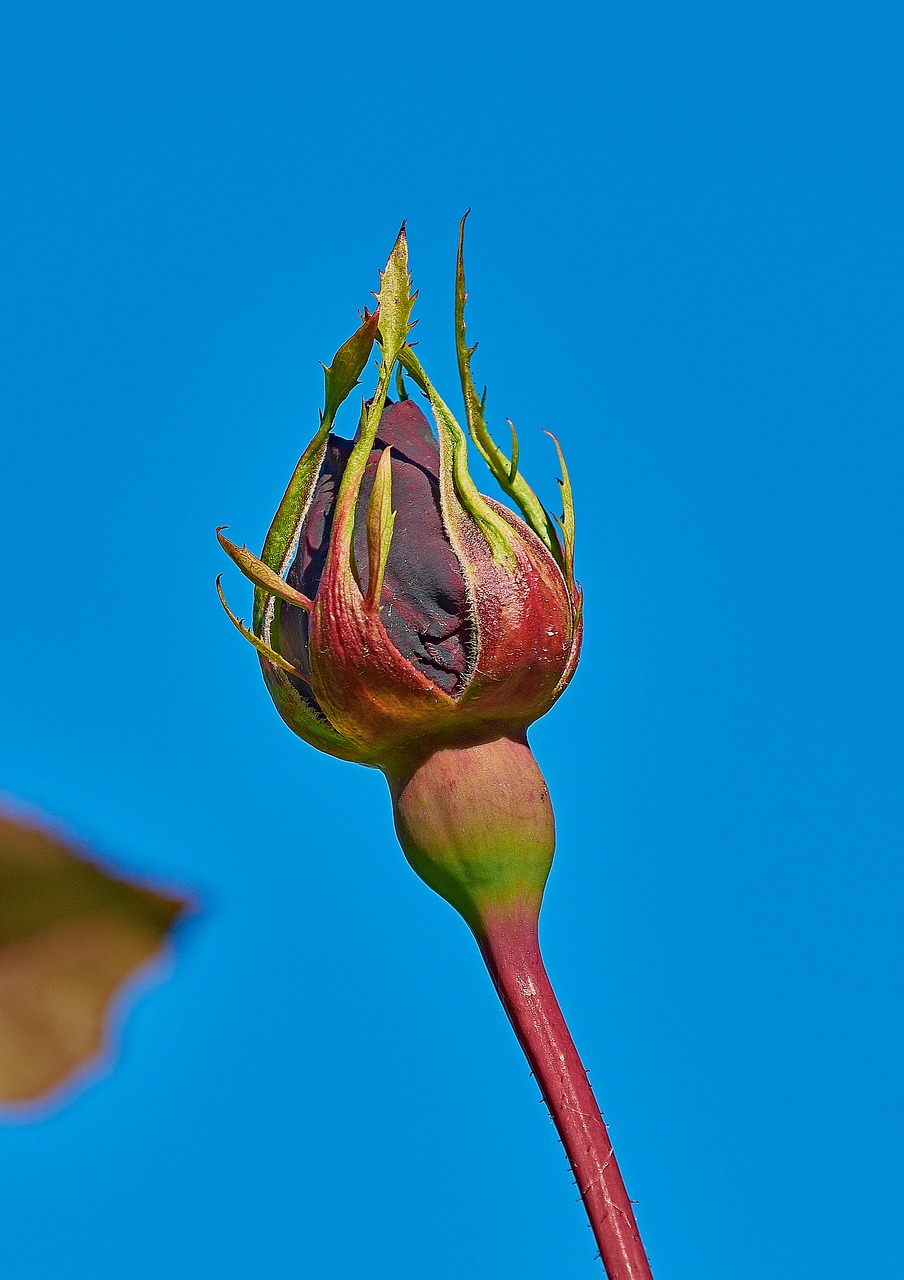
pixel 401 616
pixel 404 620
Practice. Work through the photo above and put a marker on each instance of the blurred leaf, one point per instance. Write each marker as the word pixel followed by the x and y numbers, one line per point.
pixel 71 935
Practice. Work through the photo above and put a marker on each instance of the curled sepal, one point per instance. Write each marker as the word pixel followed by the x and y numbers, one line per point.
pixel 504 469
pixel 516 448
pixel 260 645
pixel 260 574
pixel 380 521
pixel 566 524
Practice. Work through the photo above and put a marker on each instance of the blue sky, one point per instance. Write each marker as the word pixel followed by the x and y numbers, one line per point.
pixel 685 259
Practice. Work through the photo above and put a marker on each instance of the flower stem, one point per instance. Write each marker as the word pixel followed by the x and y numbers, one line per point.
pixel 511 949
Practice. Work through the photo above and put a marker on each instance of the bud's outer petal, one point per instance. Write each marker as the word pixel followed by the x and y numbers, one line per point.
pixel 525 625
pixel 304 721
pixel 373 695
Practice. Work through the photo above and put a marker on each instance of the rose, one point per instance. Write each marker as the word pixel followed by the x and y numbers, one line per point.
pixel 403 620
pixel 400 614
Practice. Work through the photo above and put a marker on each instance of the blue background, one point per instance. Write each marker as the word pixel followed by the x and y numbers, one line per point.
pixel 685 259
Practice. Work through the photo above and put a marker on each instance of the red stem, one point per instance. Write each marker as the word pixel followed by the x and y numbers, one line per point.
pixel 511 949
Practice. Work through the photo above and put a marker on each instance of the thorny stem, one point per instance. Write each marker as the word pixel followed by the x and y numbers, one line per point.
pixel 511 949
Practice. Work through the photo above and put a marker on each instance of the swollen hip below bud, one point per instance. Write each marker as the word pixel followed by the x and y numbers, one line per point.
pixel 476 824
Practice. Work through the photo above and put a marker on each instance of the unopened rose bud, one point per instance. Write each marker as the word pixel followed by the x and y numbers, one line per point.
pixel 399 613
pixel 403 620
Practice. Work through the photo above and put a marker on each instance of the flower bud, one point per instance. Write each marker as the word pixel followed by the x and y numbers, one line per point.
pixel 403 618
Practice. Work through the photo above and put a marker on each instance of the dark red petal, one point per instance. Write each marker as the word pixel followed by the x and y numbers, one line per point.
pixel 405 428
pixel 424 605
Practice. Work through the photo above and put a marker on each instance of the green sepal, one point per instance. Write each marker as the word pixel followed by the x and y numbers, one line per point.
pixel 260 574
pixel 342 376
pixel 340 379
pixel 454 467
pixel 394 311
pixel 396 300
pixel 505 470
pixel 516 449
pixel 566 524
pixel 409 361
pixel 401 389
pixel 268 572
pixel 380 522
pixel 260 645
